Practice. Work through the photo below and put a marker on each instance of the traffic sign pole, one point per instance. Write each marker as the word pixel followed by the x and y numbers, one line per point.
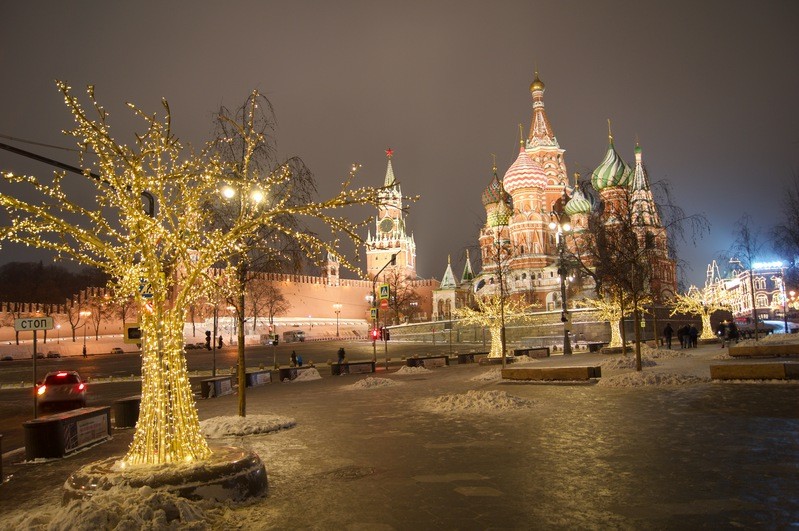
pixel 35 397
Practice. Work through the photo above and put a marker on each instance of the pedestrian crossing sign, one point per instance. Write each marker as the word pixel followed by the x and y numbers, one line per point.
pixel 384 291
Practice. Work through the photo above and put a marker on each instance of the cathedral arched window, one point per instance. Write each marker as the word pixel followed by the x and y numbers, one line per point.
pixel 760 283
pixel 524 276
pixel 761 300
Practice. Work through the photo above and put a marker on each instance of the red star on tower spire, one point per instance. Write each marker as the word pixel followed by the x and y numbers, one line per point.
pixel 389 153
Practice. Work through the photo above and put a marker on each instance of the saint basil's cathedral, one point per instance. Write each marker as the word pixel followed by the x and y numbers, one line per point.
pixel 519 209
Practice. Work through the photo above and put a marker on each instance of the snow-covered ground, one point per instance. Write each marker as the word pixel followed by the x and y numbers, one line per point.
pixel 286 451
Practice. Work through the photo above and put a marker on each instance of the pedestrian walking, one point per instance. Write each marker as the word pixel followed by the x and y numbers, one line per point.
pixel 693 335
pixel 732 333
pixel 667 333
pixel 84 351
pixel 342 360
pixel 681 336
pixel 721 332
pixel 293 358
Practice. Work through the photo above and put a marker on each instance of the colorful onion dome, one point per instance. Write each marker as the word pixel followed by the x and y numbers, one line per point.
pixel 612 171
pixel 524 173
pixel 500 217
pixel 492 193
pixel 579 203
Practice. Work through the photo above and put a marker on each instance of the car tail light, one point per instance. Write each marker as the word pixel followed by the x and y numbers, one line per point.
pixel 81 387
pixel 61 374
pixel 41 390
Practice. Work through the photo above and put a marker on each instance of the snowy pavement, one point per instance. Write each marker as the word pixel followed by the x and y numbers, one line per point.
pixel 457 448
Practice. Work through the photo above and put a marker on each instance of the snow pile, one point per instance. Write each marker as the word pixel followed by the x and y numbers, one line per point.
pixel 475 402
pixel 526 359
pixel 722 356
pixel 492 375
pixel 371 383
pixel 411 371
pixel 667 354
pixel 235 426
pixel 626 362
pixel 124 508
pixel 642 379
pixel 771 339
pixel 307 375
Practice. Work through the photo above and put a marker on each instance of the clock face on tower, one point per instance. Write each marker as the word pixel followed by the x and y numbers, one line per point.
pixel 386 225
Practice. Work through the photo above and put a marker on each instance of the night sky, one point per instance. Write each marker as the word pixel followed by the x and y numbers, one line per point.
pixel 709 88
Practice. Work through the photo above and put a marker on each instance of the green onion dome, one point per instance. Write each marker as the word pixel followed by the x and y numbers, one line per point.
pixel 612 171
pixel 579 203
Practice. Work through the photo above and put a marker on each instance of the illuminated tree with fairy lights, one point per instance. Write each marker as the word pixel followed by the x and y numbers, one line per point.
pixel 488 314
pixel 166 250
pixel 704 303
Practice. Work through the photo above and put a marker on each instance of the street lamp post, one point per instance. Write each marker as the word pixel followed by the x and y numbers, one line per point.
pixel 256 197
pixel 85 314
pixel 337 309
pixel 58 334
pixel 562 226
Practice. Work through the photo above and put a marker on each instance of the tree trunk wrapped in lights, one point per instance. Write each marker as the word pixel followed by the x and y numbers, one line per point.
pixel 488 315
pixel 610 309
pixel 163 256
pixel 703 303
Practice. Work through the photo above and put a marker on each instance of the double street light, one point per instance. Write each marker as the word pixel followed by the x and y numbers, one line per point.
pixel 560 224
pixel 337 309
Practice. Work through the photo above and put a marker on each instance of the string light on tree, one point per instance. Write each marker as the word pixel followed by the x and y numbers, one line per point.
pixel 174 249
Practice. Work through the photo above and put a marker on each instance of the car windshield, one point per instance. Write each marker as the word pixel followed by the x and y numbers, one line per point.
pixel 61 379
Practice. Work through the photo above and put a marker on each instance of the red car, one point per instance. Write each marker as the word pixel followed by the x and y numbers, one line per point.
pixel 61 388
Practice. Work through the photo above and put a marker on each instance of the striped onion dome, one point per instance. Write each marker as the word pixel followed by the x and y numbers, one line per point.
pixel 612 171
pixel 524 173
pixel 579 203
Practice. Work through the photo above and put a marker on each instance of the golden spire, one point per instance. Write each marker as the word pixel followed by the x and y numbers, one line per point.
pixel 610 133
pixel 467 255
pixel 449 259
pixel 494 163
pixel 521 135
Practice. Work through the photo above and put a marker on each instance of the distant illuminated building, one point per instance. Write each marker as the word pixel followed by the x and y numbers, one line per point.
pixel 769 290
pixel 517 236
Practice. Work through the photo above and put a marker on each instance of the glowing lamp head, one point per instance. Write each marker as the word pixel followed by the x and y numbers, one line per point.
pixel 566 227
pixel 228 192
pixel 257 196
pixel 552 225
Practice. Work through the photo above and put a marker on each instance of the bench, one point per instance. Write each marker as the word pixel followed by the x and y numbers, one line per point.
pixel 219 386
pixel 532 352
pixel 352 367
pixel 755 371
pixel 64 433
pixel 465 358
pixel 765 351
pixel 427 362
pixel 290 373
pixel 126 411
pixel 552 373
pixel 256 378
pixel 497 360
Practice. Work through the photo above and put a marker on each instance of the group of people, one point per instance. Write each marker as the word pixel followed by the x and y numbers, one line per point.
pixel 687 335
